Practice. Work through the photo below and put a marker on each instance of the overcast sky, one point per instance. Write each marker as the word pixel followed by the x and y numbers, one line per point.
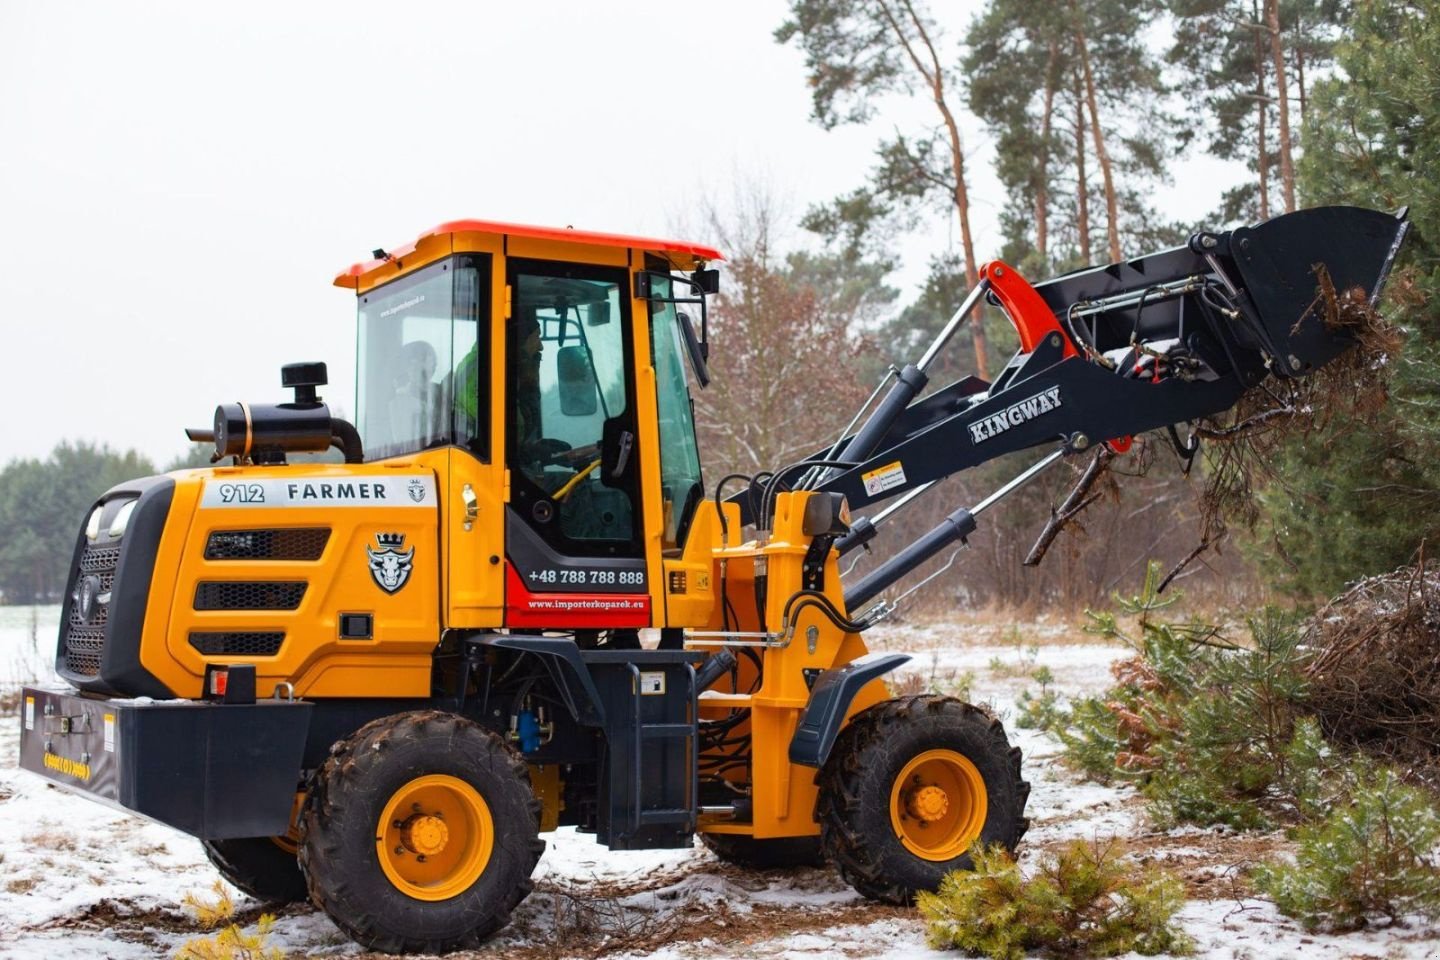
pixel 180 183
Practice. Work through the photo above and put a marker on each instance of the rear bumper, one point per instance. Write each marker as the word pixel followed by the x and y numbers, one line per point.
pixel 214 771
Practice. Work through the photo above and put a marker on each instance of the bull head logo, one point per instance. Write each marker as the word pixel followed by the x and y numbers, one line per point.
pixel 388 566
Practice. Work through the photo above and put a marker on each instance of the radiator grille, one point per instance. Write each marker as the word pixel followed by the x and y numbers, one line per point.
pixel 82 651
pixel 237 643
pixel 85 636
pixel 286 543
pixel 248 595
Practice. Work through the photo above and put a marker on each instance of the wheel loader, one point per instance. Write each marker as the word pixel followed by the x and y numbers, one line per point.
pixel 516 604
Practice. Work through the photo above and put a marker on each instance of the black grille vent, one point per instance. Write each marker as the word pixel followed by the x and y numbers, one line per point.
pixel 85 638
pixel 289 543
pixel 237 643
pixel 100 560
pixel 82 651
pixel 248 595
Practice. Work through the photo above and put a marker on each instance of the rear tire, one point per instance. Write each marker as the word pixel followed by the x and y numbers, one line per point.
pixel 768 854
pixel 420 834
pixel 263 867
pixel 910 785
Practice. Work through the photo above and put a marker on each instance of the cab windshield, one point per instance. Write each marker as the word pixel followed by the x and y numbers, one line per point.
pixel 417 378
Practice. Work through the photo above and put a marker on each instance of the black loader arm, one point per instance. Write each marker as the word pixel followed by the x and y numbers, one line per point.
pixel 1110 352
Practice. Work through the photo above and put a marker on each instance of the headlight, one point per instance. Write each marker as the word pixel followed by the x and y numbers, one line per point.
pixel 92 526
pixel 122 519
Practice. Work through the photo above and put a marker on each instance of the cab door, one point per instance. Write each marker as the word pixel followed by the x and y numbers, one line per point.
pixel 574 529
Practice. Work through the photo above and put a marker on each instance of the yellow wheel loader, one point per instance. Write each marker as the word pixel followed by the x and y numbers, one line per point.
pixel 516 605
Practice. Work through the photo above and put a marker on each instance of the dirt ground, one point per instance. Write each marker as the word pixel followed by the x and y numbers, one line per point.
pixel 80 880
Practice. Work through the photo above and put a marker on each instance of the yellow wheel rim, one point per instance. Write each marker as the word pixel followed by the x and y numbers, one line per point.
pixel 938 805
pixel 435 837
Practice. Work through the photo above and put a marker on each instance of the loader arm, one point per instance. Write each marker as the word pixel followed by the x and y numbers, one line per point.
pixel 1110 352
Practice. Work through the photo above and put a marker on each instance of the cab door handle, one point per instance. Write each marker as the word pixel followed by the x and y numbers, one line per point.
pixel 622 456
pixel 472 506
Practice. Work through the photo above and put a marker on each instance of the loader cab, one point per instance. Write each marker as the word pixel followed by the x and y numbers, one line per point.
pixel 544 376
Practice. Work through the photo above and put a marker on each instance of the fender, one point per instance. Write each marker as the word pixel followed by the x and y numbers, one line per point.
pixel 829 702
pixel 563 662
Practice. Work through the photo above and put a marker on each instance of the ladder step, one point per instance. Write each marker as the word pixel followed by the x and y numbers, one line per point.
pixel 666 731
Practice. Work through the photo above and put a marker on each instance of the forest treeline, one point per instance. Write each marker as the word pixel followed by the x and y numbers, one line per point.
pixel 1087 104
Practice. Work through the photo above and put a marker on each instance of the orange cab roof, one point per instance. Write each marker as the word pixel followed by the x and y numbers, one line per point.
pixel 350 277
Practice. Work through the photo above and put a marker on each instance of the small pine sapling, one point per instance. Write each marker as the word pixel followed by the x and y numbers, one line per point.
pixel 1085 901
pixel 232 943
pixel 1375 856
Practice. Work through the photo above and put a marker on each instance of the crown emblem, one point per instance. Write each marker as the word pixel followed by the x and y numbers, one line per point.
pixel 388 565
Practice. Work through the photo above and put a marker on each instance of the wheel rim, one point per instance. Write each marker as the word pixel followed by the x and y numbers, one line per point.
pixel 434 837
pixel 938 805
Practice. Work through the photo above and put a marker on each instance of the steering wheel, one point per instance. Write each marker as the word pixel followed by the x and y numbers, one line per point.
pixel 546 450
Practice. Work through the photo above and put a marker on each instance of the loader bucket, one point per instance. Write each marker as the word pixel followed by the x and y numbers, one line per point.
pixel 1284 265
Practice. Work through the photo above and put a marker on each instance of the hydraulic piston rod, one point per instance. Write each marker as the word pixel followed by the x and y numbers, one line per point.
pixel 908 384
pixel 957 526
pixel 863 529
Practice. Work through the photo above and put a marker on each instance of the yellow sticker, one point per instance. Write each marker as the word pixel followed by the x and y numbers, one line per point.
pixel 66 766
pixel 884 478
pixel 29 713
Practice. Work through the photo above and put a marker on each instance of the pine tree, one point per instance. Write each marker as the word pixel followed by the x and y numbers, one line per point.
pixel 1361 497
pixel 1226 54
pixel 1089 122
pixel 857 51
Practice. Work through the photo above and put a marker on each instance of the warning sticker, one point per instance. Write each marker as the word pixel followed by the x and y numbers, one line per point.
pixel 884 478
pixel 29 713
pixel 109 733
pixel 652 682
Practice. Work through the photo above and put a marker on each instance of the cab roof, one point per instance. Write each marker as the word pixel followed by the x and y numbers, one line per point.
pixel 351 276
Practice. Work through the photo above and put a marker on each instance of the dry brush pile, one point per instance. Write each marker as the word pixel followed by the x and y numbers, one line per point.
pixel 1374 669
pixel 1329 728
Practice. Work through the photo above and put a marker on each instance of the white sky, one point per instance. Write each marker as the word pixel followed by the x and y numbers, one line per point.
pixel 179 183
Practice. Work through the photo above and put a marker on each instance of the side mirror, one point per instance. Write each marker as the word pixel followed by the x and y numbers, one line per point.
pixel 706 281
pixel 578 394
pixel 597 314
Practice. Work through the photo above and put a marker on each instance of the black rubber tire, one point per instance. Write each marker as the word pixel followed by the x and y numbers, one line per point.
pixel 337 831
pixel 259 867
pixel 769 854
pixel 855 785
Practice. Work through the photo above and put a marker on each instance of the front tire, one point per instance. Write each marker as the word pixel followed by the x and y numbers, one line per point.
pixel 910 785
pixel 420 834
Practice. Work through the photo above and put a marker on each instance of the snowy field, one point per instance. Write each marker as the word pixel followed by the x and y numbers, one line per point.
pixel 78 880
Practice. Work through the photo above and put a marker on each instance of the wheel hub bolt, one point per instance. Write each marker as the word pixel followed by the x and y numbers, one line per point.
pixel 928 803
pixel 423 834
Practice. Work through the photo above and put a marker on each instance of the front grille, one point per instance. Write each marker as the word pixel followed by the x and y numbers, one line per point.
pixel 248 595
pixel 237 643
pixel 82 651
pixel 85 636
pixel 286 543
pixel 101 560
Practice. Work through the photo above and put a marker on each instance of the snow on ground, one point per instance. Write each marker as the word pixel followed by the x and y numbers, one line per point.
pixel 78 880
